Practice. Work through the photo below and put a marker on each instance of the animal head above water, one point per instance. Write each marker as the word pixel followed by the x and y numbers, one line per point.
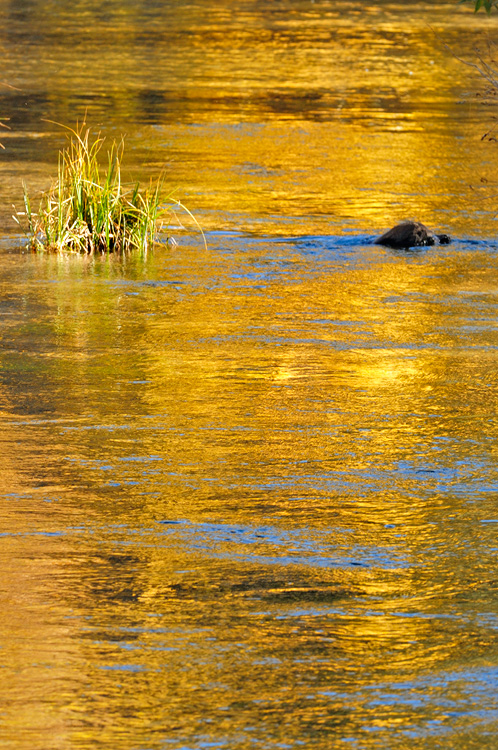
pixel 411 234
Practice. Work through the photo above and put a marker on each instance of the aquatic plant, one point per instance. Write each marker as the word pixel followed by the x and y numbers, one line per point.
pixel 3 125
pixel 478 4
pixel 88 208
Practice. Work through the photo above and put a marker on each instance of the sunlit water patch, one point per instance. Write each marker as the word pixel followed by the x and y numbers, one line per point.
pixel 249 489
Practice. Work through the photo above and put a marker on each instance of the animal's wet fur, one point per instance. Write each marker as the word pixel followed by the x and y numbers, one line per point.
pixel 411 234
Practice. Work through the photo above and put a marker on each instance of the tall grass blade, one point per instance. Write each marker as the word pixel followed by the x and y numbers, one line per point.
pixel 85 211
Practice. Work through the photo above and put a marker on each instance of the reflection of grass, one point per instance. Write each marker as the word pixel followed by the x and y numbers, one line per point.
pixel 88 209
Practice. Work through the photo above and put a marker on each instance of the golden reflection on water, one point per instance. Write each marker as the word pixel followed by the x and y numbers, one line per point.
pixel 298 118
pixel 250 488
pixel 258 512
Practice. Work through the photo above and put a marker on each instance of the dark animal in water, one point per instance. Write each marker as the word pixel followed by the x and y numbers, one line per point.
pixel 411 234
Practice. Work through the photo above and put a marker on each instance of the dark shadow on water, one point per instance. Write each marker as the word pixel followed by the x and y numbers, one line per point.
pixel 322 243
pixel 349 246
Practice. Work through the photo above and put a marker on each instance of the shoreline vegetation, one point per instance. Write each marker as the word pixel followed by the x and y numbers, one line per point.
pixel 88 209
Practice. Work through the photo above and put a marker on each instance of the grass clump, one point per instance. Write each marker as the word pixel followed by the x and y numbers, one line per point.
pixel 88 209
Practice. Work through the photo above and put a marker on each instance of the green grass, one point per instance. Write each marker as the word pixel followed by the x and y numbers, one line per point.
pixel 88 209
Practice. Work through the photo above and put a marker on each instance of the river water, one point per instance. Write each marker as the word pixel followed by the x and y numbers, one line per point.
pixel 249 489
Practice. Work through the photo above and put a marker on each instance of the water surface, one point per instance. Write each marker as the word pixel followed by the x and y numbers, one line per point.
pixel 249 490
